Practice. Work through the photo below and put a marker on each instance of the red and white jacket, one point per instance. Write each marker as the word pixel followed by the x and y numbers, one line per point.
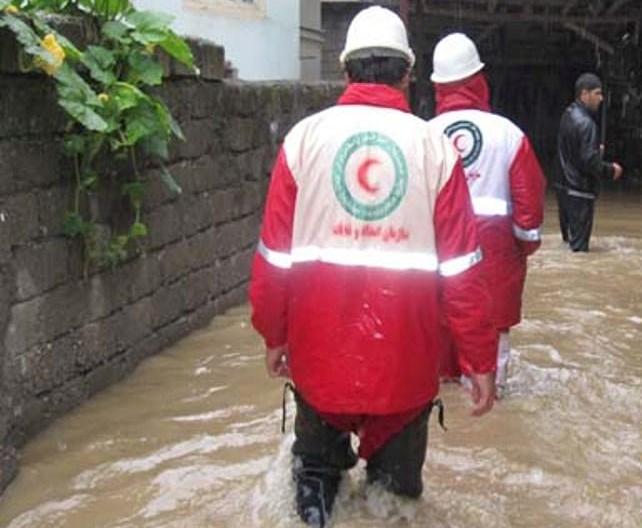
pixel 506 186
pixel 368 237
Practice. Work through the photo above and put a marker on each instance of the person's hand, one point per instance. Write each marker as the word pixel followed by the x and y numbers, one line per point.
pixel 617 171
pixel 483 392
pixel 276 362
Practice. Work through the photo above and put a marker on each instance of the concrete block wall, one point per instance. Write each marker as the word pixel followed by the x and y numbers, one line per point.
pixel 64 337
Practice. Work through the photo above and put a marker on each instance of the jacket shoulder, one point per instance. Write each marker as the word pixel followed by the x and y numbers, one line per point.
pixel 509 126
pixel 578 117
pixel 297 135
pixel 438 148
pixel 307 123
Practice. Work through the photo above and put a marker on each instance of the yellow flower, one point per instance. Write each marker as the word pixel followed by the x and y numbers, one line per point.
pixel 50 44
pixel 103 97
pixel 11 10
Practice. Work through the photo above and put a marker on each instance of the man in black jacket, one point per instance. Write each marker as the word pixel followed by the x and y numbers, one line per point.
pixel 582 166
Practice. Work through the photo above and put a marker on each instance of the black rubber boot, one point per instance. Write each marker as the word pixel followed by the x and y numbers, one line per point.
pixel 321 454
pixel 316 491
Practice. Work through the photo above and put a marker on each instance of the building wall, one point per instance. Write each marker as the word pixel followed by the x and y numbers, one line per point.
pixel 63 336
pixel 260 37
pixel 312 39
pixel 335 19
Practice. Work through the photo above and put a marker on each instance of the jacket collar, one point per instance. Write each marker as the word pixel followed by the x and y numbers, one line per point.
pixel 471 93
pixel 374 95
pixel 585 109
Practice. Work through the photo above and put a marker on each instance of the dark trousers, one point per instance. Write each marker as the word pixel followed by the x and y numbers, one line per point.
pixel 580 222
pixel 562 211
pixel 397 465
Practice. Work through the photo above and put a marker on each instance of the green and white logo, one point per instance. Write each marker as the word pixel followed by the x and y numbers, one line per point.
pixel 467 139
pixel 369 176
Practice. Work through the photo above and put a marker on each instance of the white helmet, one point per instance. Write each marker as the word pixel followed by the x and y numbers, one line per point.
pixel 455 58
pixel 377 31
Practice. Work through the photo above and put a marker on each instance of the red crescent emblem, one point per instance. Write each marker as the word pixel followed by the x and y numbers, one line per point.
pixel 362 176
pixel 456 143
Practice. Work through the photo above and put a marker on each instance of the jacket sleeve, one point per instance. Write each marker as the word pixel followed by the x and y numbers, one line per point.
pixel 465 298
pixel 527 186
pixel 590 158
pixel 271 264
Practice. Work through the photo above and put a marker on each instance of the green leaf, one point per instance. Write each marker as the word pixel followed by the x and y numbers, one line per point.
pixel 150 27
pixel 139 127
pixel 4 3
pixel 84 115
pixel 143 121
pixel 116 251
pixel 136 191
pixel 111 8
pixel 74 144
pixel 143 20
pixel 100 61
pixel 164 117
pixel 126 95
pixel 155 146
pixel 71 86
pixel 115 30
pixel 89 180
pixel 138 230
pixel 152 36
pixel 23 32
pixel 169 180
pixel 168 121
pixel 176 47
pixel 144 69
pixel 71 51
pixel 104 58
pixel 176 128
pixel 74 225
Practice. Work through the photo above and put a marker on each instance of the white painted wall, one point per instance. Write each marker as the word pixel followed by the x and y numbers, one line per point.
pixel 262 43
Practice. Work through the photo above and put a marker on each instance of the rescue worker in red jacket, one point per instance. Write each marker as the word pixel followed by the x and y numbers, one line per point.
pixel 505 181
pixel 368 237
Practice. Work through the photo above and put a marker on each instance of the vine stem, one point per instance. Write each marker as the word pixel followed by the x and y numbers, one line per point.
pixel 78 184
pixel 85 250
pixel 132 151
pixel 134 162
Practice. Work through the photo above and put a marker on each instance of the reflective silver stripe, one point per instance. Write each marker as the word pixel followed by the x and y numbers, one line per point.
pixel 530 235
pixel 580 194
pixel 276 258
pixel 371 258
pixel 451 267
pixel 486 205
pixel 366 257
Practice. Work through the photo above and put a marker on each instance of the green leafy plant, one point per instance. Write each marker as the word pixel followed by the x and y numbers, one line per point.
pixel 105 91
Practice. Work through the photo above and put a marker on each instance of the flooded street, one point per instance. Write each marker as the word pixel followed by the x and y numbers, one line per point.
pixel 192 439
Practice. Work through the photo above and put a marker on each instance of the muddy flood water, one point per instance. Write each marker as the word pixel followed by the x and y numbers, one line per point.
pixel 192 439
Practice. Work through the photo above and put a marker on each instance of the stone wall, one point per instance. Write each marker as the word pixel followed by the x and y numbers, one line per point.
pixel 63 336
